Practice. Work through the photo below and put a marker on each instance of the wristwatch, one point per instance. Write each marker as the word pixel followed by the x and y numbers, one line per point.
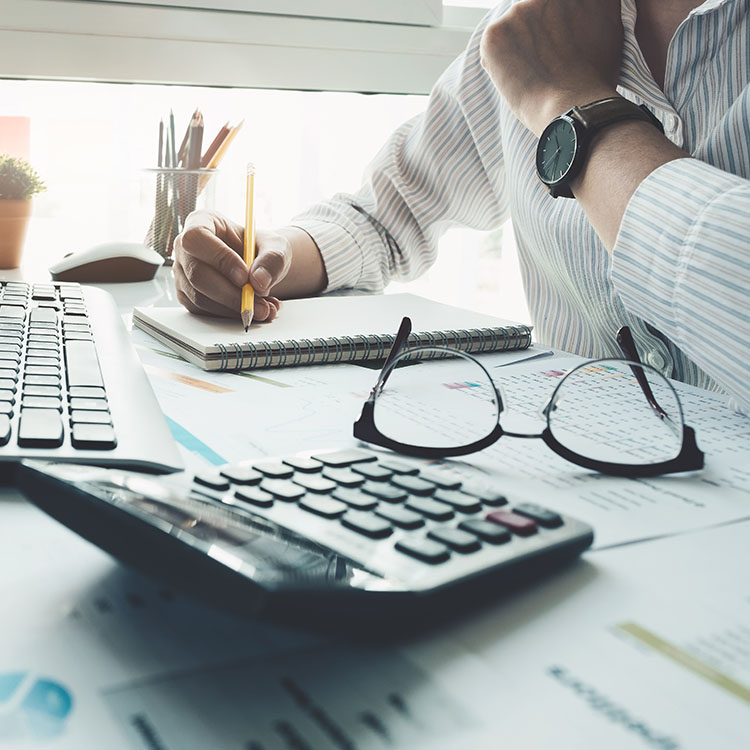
pixel 563 146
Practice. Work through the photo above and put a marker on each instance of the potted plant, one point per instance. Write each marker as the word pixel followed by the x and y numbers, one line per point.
pixel 18 183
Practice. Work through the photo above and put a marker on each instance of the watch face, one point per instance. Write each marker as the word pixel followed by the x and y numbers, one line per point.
pixel 556 149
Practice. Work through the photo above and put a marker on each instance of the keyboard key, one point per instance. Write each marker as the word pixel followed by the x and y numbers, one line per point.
pixel 82 363
pixel 353 498
pixel 384 491
pixel 40 428
pixel 7 395
pixel 273 469
pixel 86 391
pixel 49 371
pixel 345 457
pixel 53 361
pixel 308 465
pixel 398 516
pixel 212 480
pixel 239 474
pixel 6 408
pixel 373 471
pixel 41 380
pixel 51 346
pixel 543 516
pixel 93 436
pixel 7 359
pixel 458 501
pixel 367 524
pixel 76 336
pixel 414 485
pixel 41 402
pixel 43 315
pixel 53 391
pixel 8 384
pixel 91 404
pixel 12 311
pixel 343 477
pixel 517 524
pixel 43 354
pixel 425 550
pixel 323 506
pixel 283 489
pixel 430 508
pixel 456 539
pixel 314 483
pixel 253 495
pixel 90 417
pixel 486 531
pixel 4 428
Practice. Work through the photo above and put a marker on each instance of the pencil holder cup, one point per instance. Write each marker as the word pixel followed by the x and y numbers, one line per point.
pixel 175 194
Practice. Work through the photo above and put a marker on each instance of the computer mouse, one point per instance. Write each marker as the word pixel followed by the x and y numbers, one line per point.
pixel 109 262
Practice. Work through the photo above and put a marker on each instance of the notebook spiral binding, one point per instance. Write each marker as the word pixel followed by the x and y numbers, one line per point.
pixel 365 348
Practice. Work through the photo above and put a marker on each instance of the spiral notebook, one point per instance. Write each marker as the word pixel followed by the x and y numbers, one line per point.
pixel 326 329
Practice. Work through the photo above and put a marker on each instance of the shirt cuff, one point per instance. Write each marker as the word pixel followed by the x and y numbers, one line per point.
pixel 653 251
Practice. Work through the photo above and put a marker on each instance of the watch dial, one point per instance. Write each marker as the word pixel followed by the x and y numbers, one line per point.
pixel 556 150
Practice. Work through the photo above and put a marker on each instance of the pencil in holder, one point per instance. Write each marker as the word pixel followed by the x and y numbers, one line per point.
pixel 176 194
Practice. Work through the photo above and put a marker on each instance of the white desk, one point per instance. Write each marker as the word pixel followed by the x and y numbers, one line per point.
pixel 641 646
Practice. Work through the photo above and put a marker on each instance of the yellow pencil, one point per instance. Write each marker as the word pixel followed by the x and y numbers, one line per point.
pixel 248 255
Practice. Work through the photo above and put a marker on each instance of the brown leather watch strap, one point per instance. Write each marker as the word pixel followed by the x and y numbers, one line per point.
pixel 607 111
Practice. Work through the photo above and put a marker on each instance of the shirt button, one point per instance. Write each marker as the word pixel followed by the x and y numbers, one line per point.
pixel 656 360
pixel 673 122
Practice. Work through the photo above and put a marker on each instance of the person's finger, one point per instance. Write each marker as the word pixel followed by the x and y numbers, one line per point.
pixel 266 309
pixel 272 261
pixel 197 301
pixel 213 241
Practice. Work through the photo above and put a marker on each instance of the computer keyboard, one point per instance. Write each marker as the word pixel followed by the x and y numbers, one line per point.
pixel 334 535
pixel 71 387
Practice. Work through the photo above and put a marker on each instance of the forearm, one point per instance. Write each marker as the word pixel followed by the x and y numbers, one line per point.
pixel 620 158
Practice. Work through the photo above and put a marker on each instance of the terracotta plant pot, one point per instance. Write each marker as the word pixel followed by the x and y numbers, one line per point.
pixel 14 221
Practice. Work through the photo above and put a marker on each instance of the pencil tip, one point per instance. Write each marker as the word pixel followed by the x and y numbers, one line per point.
pixel 247 318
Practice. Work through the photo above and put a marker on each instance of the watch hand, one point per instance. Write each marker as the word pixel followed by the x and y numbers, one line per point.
pixel 547 161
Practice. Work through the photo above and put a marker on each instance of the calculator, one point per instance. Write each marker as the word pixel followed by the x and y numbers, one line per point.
pixel 321 536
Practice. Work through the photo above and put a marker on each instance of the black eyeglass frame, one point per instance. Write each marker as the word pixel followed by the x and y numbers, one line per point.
pixel 689 458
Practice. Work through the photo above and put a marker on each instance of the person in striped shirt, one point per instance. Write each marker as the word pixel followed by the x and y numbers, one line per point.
pixel 656 238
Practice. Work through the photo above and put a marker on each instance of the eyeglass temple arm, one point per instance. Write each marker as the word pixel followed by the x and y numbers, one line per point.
pixel 627 345
pixel 398 344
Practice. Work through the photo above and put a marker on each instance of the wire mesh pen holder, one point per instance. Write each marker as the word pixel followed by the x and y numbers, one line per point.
pixel 176 193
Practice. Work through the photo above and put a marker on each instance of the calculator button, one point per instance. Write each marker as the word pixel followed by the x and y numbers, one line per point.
pixel 367 524
pixel 308 465
pixel 414 485
pixel 274 469
pixel 345 457
pixel 487 496
pixel 444 481
pixel 486 531
pixel 314 483
pixel 255 496
pixel 344 477
pixel 397 467
pixel 384 491
pixel 399 516
pixel 355 499
pixel 283 489
pixel 323 506
pixel 373 471
pixel 456 539
pixel 543 516
pixel 425 550
pixel 458 501
pixel 212 480
pixel 241 474
pixel 517 524
pixel 430 508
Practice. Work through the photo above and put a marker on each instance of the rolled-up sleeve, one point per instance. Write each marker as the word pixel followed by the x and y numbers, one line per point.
pixel 682 263
pixel 430 175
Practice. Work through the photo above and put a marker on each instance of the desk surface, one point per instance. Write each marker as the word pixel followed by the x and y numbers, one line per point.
pixel 636 646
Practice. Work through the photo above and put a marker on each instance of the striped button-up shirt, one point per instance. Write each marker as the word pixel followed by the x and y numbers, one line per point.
pixel 679 274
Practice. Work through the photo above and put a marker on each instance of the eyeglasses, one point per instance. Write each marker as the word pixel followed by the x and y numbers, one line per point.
pixel 615 416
